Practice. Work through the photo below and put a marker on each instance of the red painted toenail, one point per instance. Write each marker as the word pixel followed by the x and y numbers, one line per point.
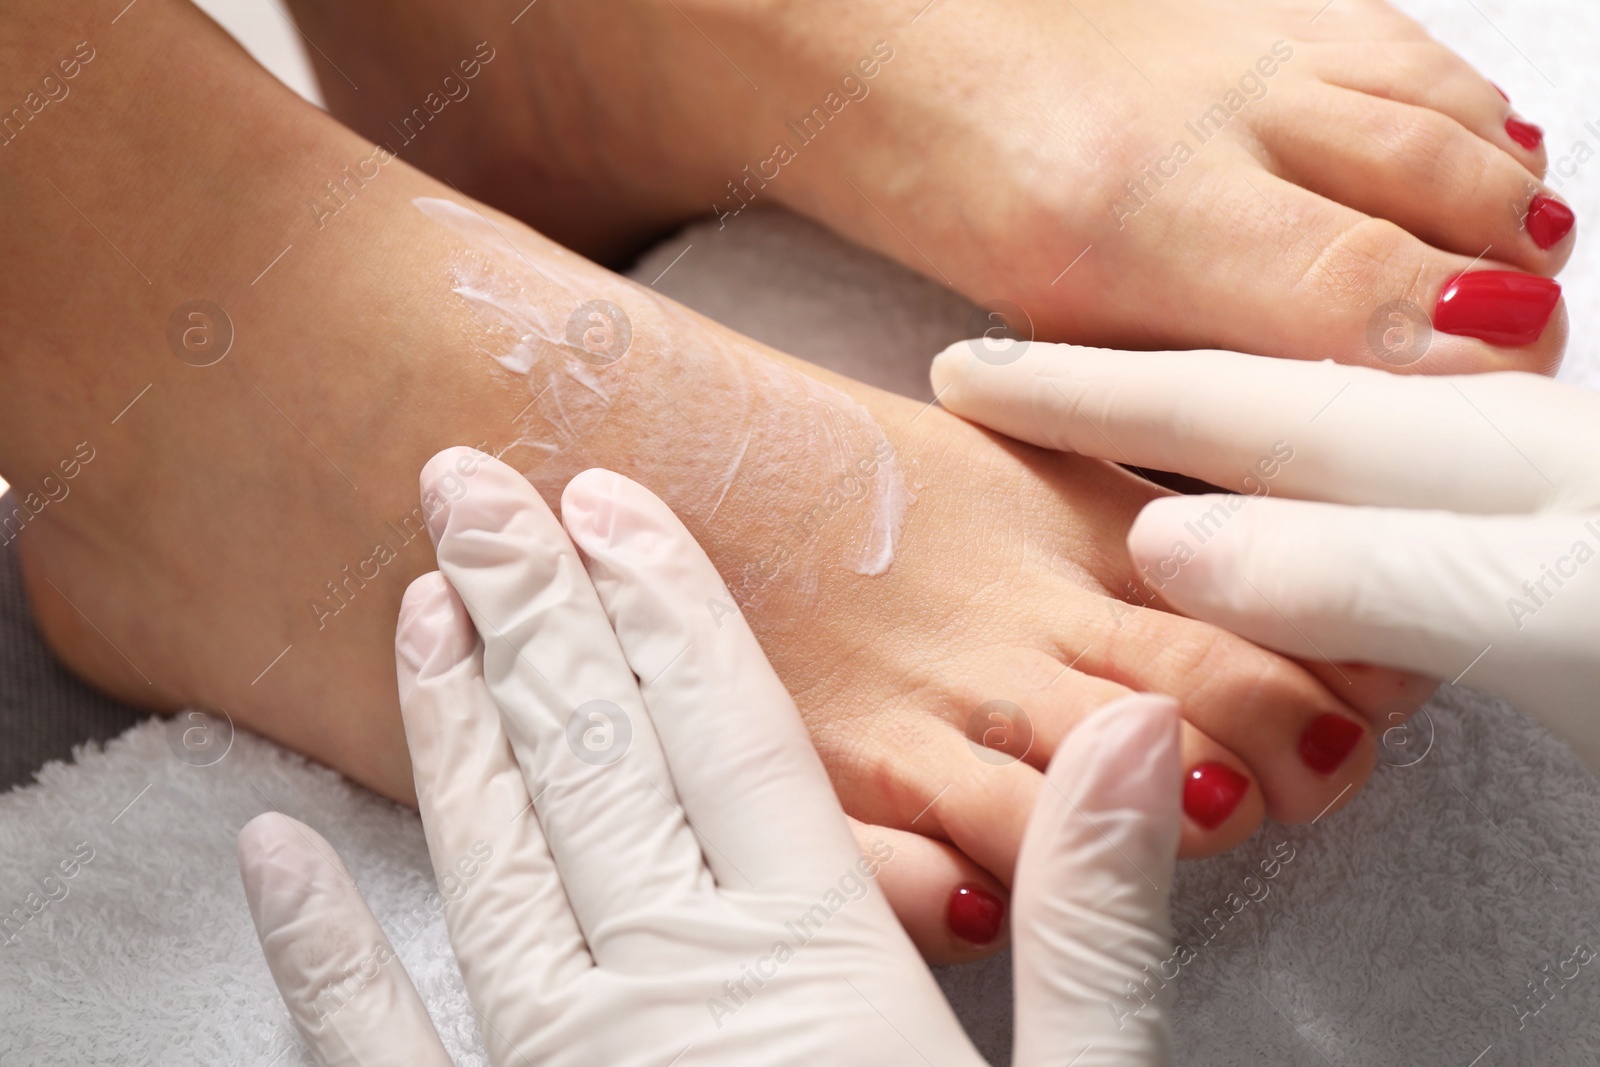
pixel 1327 741
pixel 1548 221
pixel 1211 792
pixel 975 915
pixel 1498 306
pixel 1525 134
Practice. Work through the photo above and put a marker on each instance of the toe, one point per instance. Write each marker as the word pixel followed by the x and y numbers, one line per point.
pixel 1316 279
pixel 934 781
pixel 1381 694
pixel 953 791
pixel 1428 75
pixel 1222 802
pixel 1308 751
pixel 1024 713
pixel 1422 170
pixel 953 910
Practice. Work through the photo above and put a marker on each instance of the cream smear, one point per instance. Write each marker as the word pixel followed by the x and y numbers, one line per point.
pixel 601 353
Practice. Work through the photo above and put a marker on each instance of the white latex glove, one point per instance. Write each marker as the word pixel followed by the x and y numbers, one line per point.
pixel 1449 526
pixel 682 886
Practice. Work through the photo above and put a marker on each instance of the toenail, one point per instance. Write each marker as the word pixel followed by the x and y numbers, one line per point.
pixel 1327 741
pixel 1497 306
pixel 1211 792
pixel 975 915
pixel 1525 134
pixel 1548 221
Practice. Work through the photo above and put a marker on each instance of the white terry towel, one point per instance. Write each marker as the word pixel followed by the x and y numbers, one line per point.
pixel 1403 930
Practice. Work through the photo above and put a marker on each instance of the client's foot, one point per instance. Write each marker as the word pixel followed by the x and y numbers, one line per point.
pixel 1301 179
pixel 249 519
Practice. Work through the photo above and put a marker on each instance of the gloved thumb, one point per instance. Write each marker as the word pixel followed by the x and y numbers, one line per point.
pixel 349 995
pixel 1090 921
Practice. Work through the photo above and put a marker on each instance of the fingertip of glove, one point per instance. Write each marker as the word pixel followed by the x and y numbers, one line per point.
pixel 443 482
pixel 261 835
pixel 434 632
pixel 947 366
pixel 1133 741
pixel 1139 719
pixel 1159 529
pixel 605 510
pixel 282 862
pixel 587 504
pixel 1177 537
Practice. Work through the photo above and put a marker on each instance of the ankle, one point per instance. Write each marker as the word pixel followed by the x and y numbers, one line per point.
pixel 134 195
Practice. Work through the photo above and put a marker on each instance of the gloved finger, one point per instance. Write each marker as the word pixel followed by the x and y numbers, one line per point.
pixel 570 704
pixel 752 785
pixel 1425 591
pixel 514 933
pixel 1503 604
pixel 953 910
pixel 348 993
pixel 1488 444
pixel 1093 883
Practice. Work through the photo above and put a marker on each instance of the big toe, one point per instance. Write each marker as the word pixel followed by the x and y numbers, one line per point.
pixel 1340 225
pixel 1321 280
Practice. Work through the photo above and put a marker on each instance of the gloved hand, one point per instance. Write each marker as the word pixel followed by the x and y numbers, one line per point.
pixel 1449 526
pixel 639 853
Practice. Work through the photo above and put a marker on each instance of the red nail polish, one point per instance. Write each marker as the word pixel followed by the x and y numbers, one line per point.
pixel 1498 306
pixel 1525 134
pixel 1548 221
pixel 1211 792
pixel 975 915
pixel 1327 741
pixel 1501 91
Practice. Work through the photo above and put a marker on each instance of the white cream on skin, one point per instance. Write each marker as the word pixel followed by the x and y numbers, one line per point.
pixel 750 422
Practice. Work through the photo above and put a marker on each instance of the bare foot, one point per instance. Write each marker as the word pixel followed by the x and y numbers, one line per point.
pixel 1303 179
pixel 250 519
